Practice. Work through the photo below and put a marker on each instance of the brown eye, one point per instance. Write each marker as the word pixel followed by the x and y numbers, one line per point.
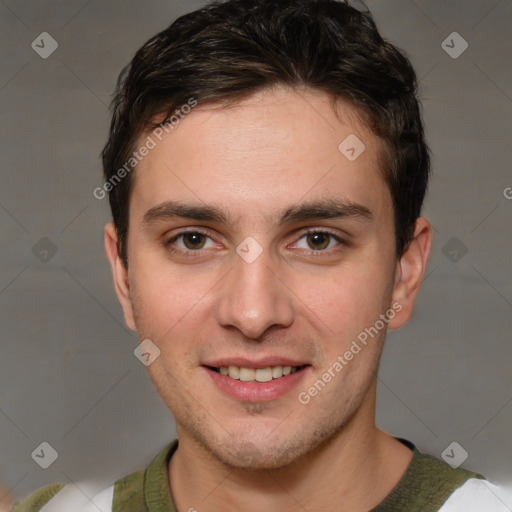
pixel 318 241
pixel 194 240
pixel 191 243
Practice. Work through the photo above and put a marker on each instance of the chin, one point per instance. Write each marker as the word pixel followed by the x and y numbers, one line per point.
pixel 251 457
pixel 264 449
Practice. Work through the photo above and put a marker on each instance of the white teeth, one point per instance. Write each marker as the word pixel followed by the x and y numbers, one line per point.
pixel 259 375
pixel 263 374
pixel 277 372
pixel 246 374
pixel 233 372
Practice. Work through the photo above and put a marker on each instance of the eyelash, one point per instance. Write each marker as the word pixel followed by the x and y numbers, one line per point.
pixel 191 253
pixel 333 236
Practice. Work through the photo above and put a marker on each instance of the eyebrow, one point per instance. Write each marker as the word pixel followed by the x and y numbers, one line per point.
pixel 325 209
pixel 321 209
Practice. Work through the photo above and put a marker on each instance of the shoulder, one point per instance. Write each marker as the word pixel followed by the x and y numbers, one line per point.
pixel 427 484
pixel 62 498
pixel 129 493
pixel 477 495
pixel 440 486
pixel 38 499
pixel 433 477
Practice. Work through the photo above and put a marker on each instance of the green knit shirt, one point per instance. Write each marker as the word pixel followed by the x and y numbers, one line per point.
pixel 425 486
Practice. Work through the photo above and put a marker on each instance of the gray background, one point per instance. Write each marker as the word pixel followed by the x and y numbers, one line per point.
pixel 68 375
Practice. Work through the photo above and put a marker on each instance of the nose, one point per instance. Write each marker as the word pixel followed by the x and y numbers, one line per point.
pixel 253 298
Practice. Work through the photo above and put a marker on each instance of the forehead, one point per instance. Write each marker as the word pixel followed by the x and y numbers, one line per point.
pixel 274 149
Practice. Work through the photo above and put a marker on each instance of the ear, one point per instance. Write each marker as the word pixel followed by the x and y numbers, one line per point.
pixel 410 271
pixel 119 273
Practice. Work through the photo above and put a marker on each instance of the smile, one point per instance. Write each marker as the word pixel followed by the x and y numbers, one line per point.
pixel 265 374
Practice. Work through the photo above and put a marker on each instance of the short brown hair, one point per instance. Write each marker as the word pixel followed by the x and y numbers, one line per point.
pixel 230 49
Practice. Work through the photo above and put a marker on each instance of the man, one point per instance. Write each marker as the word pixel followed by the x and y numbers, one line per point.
pixel 266 168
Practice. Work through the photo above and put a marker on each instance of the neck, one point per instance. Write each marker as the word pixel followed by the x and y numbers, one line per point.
pixel 352 471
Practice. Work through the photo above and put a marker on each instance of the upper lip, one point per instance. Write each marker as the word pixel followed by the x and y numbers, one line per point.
pixel 263 362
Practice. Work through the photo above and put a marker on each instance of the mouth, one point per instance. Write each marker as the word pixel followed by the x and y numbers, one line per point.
pixel 267 378
pixel 264 374
pixel 252 381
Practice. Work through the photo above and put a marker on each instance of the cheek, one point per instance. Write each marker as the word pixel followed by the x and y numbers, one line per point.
pixel 166 312
pixel 165 301
pixel 343 304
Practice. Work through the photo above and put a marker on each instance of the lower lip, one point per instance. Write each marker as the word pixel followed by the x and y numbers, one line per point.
pixel 256 391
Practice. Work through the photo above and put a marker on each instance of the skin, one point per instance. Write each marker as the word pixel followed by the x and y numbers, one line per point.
pixel 6 500
pixel 252 160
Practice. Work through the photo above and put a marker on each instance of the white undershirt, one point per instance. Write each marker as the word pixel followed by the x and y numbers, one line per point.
pixel 71 498
pixel 475 495
pixel 478 495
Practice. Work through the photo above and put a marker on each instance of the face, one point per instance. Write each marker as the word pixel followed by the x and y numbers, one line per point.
pixel 256 245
